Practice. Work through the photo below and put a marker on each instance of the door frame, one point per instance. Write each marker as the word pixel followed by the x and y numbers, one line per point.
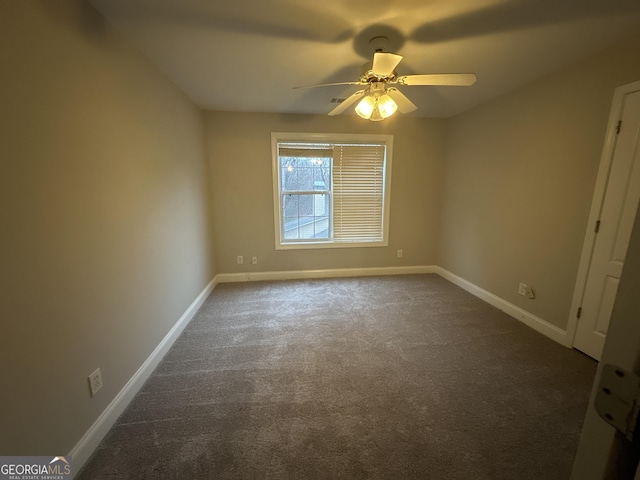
pixel 596 206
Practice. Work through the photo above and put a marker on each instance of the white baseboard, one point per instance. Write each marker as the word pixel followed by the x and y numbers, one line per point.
pixel 92 438
pixel 536 323
pixel 328 273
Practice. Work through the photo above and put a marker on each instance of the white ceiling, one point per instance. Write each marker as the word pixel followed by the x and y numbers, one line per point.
pixel 246 55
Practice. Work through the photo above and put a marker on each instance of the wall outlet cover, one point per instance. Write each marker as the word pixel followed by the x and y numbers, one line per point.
pixel 95 382
pixel 522 289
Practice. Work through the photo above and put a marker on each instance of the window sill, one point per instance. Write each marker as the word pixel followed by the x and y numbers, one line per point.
pixel 322 245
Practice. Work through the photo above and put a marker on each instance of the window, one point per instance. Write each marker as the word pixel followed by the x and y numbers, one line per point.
pixel 331 190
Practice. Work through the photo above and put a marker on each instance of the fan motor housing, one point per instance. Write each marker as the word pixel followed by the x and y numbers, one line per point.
pixel 368 76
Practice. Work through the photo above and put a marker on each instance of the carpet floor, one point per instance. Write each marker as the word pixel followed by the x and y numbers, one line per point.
pixel 399 377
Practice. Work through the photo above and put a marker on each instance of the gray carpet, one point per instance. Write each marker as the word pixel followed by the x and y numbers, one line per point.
pixel 359 378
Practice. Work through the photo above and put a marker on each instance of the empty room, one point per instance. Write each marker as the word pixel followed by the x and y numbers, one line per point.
pixel 299 240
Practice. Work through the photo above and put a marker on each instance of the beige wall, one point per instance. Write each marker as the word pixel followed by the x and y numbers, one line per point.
pixel 519 181
pixel 108 234
pixel 104 214
pixel 239 150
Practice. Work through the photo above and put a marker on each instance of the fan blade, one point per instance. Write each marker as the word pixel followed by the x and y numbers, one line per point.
pixel 385 63
pixel 330 84
pixel 449 79
pixel 347 102
pixel 404 104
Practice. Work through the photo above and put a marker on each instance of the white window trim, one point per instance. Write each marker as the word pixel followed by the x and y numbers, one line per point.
pixel 355 138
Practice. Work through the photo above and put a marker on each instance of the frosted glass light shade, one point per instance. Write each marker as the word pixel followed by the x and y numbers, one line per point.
pixel 376 107
pixel 366 107
pixel 386 106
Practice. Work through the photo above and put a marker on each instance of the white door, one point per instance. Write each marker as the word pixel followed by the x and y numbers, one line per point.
pixel 614 225
pixel 602 454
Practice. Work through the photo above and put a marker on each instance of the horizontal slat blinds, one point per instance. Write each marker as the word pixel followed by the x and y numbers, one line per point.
pixel 358 193
pixel 305 152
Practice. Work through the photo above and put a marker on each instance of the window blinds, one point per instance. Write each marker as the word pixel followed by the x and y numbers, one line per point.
pixel 310 151
pixel 358 193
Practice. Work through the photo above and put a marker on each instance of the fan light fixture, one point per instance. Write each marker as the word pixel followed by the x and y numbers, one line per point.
pixel 379 98
pixel 376 105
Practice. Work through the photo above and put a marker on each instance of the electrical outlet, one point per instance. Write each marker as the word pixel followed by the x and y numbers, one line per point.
pixel 522 289
pixel 254 260
pixel 240 260
pixel 399 253
pixel 95 382
pixel 526 291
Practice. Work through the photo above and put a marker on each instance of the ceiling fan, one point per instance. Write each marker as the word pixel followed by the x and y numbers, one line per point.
pixel 380 98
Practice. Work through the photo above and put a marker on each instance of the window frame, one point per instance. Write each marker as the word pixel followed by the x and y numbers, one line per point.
pixel 329 138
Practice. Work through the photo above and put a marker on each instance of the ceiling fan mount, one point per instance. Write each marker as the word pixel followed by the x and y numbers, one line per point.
pixel 379 43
